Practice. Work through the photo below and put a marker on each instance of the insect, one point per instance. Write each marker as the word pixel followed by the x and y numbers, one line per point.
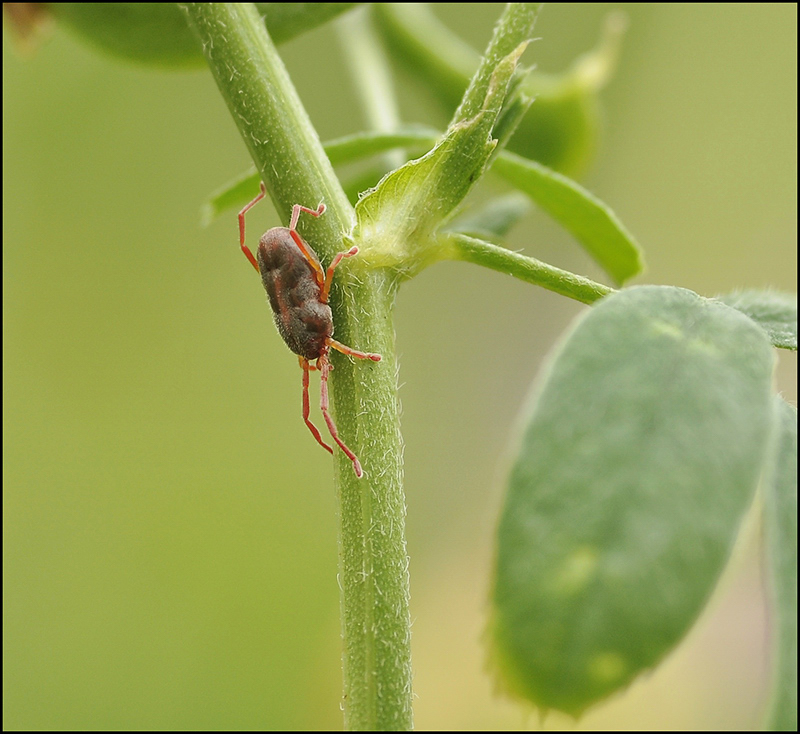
pixel 298 290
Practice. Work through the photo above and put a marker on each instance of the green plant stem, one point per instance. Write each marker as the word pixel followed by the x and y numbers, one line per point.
pixel 369 69
pixel 514 27
pixel 374 562
pixel 417 36
pixel 529 269
pixel 373 559
pixel 265 106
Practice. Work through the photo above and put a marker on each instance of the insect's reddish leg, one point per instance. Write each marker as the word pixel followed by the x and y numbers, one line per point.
pixel 319 276
pixel 333 344
pixel 309 255
pixel 324 367
pixel 245 249
pixel 326 288
pixel 296 209
pixel 307 408
pixel 310 366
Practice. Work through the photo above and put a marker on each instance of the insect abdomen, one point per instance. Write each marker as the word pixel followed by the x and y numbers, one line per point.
pixel 302 319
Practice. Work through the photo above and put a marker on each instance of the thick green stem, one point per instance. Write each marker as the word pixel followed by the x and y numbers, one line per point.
pixel 374 564
pixel 271 118
pixel 529 269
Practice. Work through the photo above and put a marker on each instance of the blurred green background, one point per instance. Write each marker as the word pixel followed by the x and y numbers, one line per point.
pixel 169 524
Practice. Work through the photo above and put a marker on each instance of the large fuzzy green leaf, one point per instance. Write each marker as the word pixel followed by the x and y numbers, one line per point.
pixel 157 34
pixel 640 455
pixel 780 518
pixel 773 311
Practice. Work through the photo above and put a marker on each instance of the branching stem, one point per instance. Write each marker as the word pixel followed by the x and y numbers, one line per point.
pixel 461 247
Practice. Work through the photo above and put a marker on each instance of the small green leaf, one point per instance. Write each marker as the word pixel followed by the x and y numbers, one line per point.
pixel 591 221
pixel 780 518
pixel 511 35
pixel 157 33
pixel 641 453
pixel 235 193
pixel 349 148
pixel 396 220
pixel 561 127
pixel 397 217
pixel 355 183
pixel 364 144
pixel 494 219
pixel 773 311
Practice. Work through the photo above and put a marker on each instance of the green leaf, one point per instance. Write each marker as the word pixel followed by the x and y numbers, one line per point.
pixel 355 183
pixel 349 148
pixel 364 144
pixel 396 218
pixel 591 221
pixel 640 455
pixel 780 518
pixel 562 128
pixel 289 20
pixel 236 193
pixel 773 311
pixel 559 130
pixel 511 35
pixel 149 33
pixel 157 33
pixel 493 220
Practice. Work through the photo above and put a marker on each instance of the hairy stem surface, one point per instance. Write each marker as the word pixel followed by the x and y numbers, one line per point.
pixel 373 560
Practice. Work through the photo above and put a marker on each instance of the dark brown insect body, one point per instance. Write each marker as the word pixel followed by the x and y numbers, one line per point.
pixel 298 290
pixel 303 320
